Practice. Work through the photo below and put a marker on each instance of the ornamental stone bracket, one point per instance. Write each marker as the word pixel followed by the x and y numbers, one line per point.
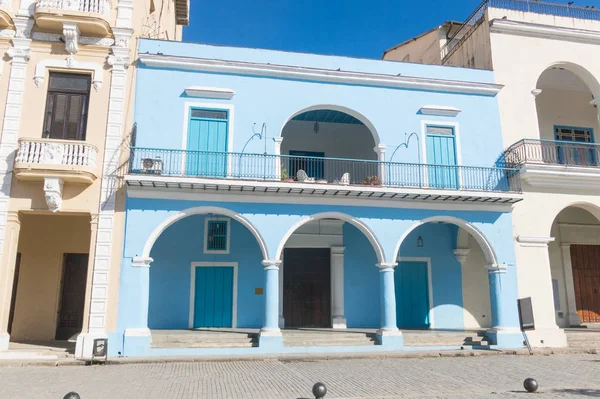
pixel 53 188
pixel 461 255
pixel 71 38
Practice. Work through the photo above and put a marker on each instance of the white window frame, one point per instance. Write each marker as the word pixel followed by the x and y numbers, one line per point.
pixel 216 251
pixel 193 288
pixel 429 283
pixel 451 125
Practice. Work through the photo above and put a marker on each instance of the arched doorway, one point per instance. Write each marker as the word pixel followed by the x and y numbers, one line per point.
pixel 327 143
pixel 206 272
pixel 575 265
pixel 441 280
pixel 325 256
pixel 567 115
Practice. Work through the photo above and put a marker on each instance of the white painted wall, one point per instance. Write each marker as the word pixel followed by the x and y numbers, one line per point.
pixel 476 289
pixel 564 108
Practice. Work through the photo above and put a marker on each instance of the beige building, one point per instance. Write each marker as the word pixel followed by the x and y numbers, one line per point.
pixel 546 56
pixel 66 90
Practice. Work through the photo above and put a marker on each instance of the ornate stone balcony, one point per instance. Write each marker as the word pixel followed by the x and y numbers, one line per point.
pixel 6 14
pixel 92 17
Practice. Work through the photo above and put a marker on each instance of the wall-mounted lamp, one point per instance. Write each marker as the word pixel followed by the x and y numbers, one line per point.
pixel 420 242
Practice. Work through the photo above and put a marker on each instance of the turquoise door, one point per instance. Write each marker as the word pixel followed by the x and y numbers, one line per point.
pixel 412 295
pixel 441 157
pixel 213 297
pixel 206 154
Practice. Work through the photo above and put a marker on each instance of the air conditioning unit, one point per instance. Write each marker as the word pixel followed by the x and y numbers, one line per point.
pixel 152 166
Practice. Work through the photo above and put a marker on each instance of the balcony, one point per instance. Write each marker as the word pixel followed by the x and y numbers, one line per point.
pixel 91 16
pixel 6 14
pixel 300 175
pixel 67 160
pixel 552 163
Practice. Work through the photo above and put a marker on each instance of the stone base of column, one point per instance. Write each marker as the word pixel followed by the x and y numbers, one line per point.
pixel 281 322
pixel 392 339
pixel 547 338
pixel 505 338
pixel 339 322
pixel 4 340
pixel 85 344
pixel 574 320
pixel 270 339
pixel 136 342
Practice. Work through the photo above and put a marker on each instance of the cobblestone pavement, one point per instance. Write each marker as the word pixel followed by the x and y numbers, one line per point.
pixel 576 376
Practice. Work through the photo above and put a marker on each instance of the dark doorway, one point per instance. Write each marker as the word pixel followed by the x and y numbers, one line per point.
pixel 586 276
pixel 72 297
pixel 307 287
pixel 13 297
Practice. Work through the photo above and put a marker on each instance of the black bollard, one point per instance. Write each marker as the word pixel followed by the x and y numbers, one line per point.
pixel 72 395
pixel 530 385
pixel 319 390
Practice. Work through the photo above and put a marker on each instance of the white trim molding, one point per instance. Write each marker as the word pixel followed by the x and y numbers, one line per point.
pixel 87 40
pixel 139 261
pixel 429 283
pixel 208 218
pixel 526 241
pixel 194 265
pixel 544 31
pixel 561 177
pixel 440 110
pixel 40 70
pixel 209 92
pixel 318 74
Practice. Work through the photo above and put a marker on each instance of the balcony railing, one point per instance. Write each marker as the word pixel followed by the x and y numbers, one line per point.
pixel 87 6
pixel 534 6
pixel 222 165
pixel 552 152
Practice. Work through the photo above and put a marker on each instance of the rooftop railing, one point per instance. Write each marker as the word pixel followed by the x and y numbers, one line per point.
pixel 552 152
pixel 538 7
pixel 339 171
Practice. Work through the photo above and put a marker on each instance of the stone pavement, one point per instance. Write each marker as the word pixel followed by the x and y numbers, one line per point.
pixel 560 376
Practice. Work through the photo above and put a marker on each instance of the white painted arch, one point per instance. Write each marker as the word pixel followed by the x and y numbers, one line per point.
pixel 339 108
pixel 593 209
pixel 204 210
pixel 340 216
pixel 488 251
pixel 585 75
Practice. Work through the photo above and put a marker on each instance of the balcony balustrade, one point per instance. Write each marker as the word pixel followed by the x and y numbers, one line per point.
pixel 91 16
pixel 69 160
pixel 320 171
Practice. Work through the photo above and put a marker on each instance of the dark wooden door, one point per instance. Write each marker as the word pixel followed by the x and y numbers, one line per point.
pixel 585 260
pixel 13 297
pixel 307 287
pixel 72 297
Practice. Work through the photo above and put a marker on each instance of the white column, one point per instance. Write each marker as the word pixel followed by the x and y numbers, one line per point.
pixel 337 288
pixel 572 317
pixel 277 152
pixel 380 150
pixel 281 318
pixel 7 273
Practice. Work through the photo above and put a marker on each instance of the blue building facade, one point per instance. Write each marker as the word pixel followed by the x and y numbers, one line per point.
pixel 273 191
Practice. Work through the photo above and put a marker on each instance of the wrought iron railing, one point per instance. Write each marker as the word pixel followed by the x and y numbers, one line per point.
pixel 287 168
pixel 552 152
pixel 539 7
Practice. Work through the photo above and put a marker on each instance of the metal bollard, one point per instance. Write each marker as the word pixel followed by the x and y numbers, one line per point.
pixel 72 395
pixel 530 385
pixel 319 390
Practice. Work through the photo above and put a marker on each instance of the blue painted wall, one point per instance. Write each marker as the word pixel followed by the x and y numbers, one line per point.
pixel 361 280
pixel 160 101
pixel 175 250
pixel 439 242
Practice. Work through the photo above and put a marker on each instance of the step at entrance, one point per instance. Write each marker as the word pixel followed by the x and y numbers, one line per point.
pixel 298 338
pixel 583 339
pixel 445 338
pixel 204 339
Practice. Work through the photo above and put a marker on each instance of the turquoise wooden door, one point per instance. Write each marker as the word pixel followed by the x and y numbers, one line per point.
pixel 412 295
pixel 213 297
pixel 441 156
pixel 206 154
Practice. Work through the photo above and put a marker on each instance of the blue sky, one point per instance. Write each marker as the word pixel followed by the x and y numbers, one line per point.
pixel 358 28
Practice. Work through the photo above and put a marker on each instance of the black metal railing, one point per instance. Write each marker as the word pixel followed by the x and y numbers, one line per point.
pixel 287 168
pixel 552 152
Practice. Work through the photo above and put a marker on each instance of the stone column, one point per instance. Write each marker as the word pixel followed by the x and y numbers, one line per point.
pixel 505 331
pixel 270 334
pixel 7 273
pixel 337 288
pixel 278 161
pixel 388 334
pixel 380 150
pixel 572 317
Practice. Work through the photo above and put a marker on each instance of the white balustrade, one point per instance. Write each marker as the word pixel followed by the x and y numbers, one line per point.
pixel 91 6
pixel 56 152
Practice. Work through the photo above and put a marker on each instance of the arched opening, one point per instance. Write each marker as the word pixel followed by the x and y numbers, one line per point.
pixel 206 272
pixel 330 144
pixel 567 115
pixel 575 265
pixel 324 257
pixel 441 280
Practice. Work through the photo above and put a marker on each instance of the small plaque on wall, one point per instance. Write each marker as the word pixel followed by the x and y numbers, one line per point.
pixel 258 291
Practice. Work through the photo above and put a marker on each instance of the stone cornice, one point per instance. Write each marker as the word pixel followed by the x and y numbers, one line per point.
pixel 544 31
pixel 318 74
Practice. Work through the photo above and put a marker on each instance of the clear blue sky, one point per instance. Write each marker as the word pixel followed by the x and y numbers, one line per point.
pixel 358 28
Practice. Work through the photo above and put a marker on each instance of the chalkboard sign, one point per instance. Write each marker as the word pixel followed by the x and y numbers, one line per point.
pixel 526 314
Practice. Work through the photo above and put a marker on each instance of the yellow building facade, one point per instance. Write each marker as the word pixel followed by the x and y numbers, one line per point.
pixel 66 99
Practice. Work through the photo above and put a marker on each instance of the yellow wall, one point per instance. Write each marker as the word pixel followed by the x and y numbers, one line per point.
pixel 42 242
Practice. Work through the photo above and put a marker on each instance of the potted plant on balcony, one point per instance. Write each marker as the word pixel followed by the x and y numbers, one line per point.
pixel 371 181
pixel 284 175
